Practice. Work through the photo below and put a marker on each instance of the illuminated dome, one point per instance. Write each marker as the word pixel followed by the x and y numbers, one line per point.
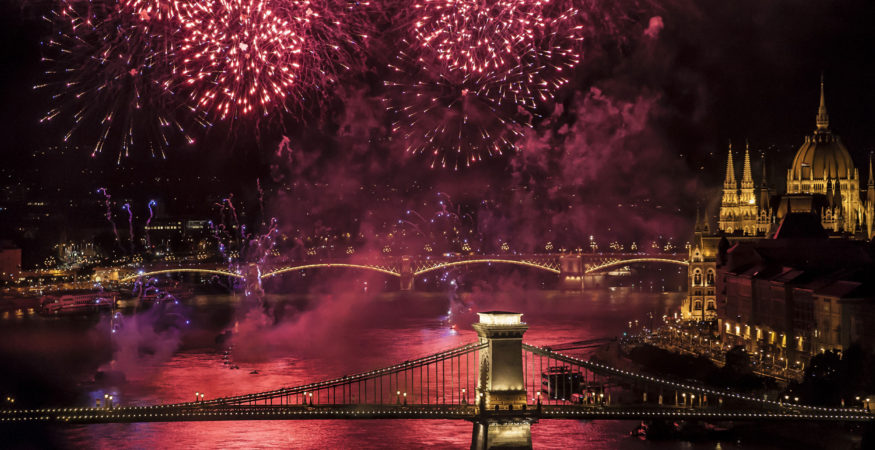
pixel 822 155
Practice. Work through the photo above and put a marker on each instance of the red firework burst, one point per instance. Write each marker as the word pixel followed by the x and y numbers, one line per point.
pixel 151 10
pixel 243 58
pixel 482 69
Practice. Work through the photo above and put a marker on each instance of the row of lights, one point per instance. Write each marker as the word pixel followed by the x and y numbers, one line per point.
pixel 337 381
pixel 550 411
pixel 696 388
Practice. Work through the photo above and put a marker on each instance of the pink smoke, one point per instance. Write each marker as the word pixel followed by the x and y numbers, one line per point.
pixel 654 27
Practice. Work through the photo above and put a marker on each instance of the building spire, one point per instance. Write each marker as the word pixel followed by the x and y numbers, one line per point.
pixel 871 180
pixel 822 116
pixel 764 188
pixel 729 182
pixel 765 178
pixel 746 176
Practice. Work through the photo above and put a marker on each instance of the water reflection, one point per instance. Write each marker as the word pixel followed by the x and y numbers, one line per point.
pixel 315 343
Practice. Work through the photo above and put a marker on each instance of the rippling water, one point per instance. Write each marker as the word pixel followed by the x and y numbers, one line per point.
pixel 326 340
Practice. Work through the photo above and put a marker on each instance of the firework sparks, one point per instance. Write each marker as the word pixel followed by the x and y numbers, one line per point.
pixel 127 207
pixel 151 204
pixel 151 10
pixel 107 201
pixel 108 69
pixel 244 58
pixel 480 71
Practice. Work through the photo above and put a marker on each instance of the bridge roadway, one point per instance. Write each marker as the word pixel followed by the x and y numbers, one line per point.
pixel 419 412
pixel 574 265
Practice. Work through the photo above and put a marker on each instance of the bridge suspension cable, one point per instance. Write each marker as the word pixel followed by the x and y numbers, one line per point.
pixel 440 378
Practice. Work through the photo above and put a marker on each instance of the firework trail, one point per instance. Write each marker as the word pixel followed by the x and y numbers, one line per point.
pixel 250 58
pixel 127 207
pixel 444 227
pixel 154 11
pixel 151 204
pixel 228 202
pixel 107 202
pixel 473 72
pixel 108 69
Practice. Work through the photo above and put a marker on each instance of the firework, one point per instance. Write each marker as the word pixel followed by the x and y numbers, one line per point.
pixel 151 10
pixel 127 207
pixel 107 202
pixel 480 71
pixel 151 204
pixel 108 70
pixel 250 58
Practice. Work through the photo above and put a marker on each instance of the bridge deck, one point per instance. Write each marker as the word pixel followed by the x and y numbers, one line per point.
pixel 421 412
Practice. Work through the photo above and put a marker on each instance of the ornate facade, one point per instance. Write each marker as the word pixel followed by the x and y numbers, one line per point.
pixel 739 211
pixel 821 180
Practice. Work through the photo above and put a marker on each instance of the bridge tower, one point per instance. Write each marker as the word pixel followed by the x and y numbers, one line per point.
pixel 406 270
pixel 501 388
pixel 571 272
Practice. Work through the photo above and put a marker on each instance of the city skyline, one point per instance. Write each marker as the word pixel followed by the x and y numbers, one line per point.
pixel 437 223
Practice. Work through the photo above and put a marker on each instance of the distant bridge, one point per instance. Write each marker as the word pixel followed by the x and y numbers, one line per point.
pixel 571 268
pixel 497 382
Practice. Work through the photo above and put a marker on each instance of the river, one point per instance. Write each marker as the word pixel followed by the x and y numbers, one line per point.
pixel 321 335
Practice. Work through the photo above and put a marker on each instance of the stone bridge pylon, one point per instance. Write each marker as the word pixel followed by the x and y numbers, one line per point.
pixel 571 272
pixel 502 384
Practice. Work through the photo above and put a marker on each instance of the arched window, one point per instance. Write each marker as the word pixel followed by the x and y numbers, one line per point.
pixel 711 306
pixel 697 278
pixel 698 305
pixel 710 277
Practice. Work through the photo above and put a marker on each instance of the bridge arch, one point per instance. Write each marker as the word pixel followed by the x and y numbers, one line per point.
pixel 485 261
pixel 330 265
pixel 626 262
pixel 179 270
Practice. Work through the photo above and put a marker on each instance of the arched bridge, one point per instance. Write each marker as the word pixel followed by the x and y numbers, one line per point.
pixel 494 386
pixel 571 268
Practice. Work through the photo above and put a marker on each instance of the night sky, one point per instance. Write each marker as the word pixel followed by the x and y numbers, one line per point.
pixel 644 123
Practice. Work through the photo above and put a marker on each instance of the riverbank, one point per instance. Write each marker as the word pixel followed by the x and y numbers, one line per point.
pixel 647 358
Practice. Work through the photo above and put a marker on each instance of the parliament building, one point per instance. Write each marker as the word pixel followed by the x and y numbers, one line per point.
pixel 789 271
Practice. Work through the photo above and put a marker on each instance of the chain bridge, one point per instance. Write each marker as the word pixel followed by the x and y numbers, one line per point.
pixel 571 268
pixel 499 383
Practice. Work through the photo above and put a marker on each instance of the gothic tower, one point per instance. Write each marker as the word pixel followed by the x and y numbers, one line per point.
pixel 728 221
pixel 764 218
pixel 747 206
pixel 870 202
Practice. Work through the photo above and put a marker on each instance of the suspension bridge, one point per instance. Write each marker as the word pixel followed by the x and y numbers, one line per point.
pixel 499 383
